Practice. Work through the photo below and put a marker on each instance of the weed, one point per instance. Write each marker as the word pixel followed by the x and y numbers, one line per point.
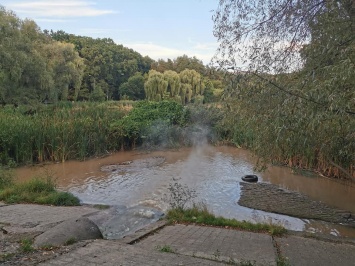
pixel 47 247
pixel 217 254
pixel 70 241
pixel 201 215
pixel 247 263
pixel 179 196
pixel 101 206
pixel 282 261
pixel 26 245
pixel 6 256
pixel 165 248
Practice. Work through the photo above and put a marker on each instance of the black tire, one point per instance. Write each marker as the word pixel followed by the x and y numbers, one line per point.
pixel 250 178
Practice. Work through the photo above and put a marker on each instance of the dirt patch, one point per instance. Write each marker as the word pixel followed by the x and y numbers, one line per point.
pixel 271 198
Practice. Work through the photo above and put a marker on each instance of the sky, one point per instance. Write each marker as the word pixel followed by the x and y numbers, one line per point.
pixel 157 28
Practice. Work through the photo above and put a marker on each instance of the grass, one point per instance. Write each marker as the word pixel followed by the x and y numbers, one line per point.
pixel 101 206
pixel 70 241
pixel 6 256
pixel 201 215
pixel 165 248
pixel 38 191
pixel 26 245
pixel 282 261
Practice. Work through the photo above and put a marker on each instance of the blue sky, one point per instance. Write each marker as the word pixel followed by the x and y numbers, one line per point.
pixel 157 28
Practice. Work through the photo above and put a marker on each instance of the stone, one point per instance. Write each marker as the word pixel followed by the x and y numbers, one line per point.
pixel 70 230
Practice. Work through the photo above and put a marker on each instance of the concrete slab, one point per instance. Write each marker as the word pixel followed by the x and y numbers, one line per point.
pixel 311 252
pixel 39 216
pixel 108 252
pixel 214 243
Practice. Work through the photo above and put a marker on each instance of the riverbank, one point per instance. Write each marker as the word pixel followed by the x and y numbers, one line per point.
pixel 158 243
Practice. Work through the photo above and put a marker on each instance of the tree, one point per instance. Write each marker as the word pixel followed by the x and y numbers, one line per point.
pixel 133 88
pixel 156 86
pixel 267 35
pixel 192 85
pixel 33 67
pixel 108 63
pixel 297 91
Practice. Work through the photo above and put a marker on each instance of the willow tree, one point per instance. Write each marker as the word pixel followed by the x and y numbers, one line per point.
pixel 174 84
pixel 294 78
pixel 192 84
pixel 156 86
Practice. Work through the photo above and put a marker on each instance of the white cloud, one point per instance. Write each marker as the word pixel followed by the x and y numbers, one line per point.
pixel 52 20
pixel 161 52
pixel 58 9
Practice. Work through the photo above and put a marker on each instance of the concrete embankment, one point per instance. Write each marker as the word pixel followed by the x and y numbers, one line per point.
pixel 159 244
pixel 271 198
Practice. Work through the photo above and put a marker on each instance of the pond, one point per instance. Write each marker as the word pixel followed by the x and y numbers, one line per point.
pixel 140 178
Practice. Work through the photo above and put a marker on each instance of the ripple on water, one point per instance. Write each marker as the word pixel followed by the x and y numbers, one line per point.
pixel 214 172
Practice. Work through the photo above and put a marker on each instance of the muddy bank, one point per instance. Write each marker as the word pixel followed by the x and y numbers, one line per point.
pixel 271 198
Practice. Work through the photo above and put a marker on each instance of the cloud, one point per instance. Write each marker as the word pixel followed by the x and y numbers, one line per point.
pixel 52 20
pixel 58 9
pixel 161 52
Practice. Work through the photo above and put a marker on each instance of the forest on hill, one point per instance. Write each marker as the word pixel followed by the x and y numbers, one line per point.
pixel 45 66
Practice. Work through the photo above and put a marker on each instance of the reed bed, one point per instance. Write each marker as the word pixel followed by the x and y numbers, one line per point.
pixel 57 133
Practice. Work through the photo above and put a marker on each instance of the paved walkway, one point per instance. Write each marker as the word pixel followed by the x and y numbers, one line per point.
pixel 214 243
pixel 186 244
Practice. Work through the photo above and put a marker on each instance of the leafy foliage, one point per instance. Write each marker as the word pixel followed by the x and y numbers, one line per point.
pixel 131 129
pixel 33 66
pixel 108 65
pixel 296 101
pixel 183 87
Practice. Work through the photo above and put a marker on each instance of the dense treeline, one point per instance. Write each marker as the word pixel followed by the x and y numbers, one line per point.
pixel 46 66
pixel 108 66
pixel 33 66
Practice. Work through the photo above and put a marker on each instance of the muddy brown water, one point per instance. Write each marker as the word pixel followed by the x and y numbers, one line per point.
pixel 214 172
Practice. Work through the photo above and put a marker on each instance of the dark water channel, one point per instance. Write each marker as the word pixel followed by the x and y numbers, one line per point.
pixel 139 184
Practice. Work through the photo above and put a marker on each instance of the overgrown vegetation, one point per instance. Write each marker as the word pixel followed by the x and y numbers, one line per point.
pixel 57 133
pixel 37 190
pixel 293 101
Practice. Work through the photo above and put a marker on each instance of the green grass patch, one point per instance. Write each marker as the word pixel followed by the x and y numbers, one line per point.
pixel 70 241
pixel 38 191
pixel 165 248
pixel 201 215
pixel 6 256
pixel 282 261
pixel 26 245
pixel 101 206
